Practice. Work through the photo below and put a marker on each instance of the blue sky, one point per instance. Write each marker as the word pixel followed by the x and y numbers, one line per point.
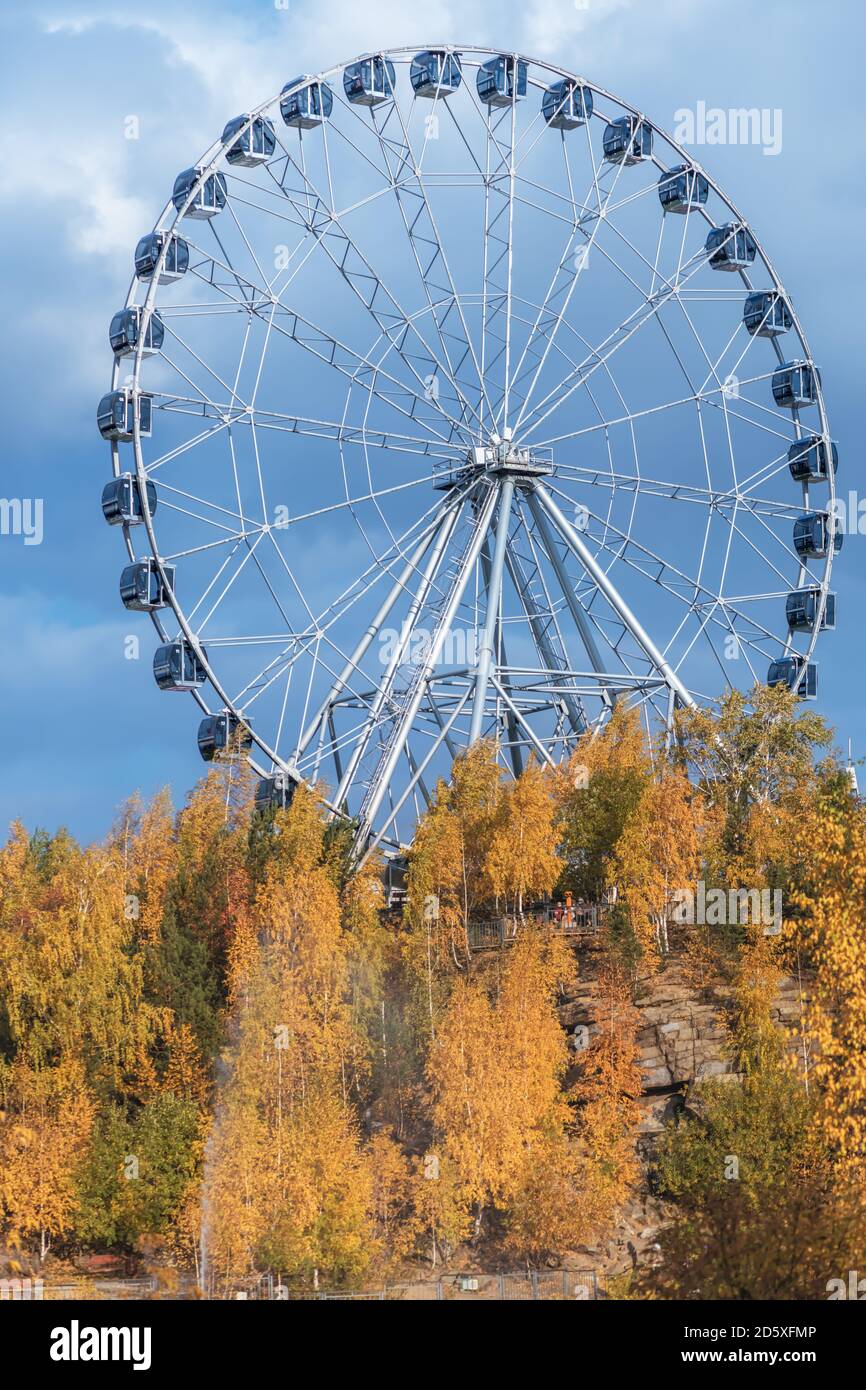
pixel 85 726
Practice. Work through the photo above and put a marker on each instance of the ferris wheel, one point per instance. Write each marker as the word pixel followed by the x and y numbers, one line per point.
pixel 452 399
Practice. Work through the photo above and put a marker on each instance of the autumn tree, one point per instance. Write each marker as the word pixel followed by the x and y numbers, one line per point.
pixel 760 1210
pixel 450 857
pixel 755 771
pixel 656 856
pixel 287 1184
pixel 495 1070
pixel 600 789
pixel 71 974
pixel 143 840
pixel 45 1124
pixel 828 926
pixel 606 1088
pixel 522 858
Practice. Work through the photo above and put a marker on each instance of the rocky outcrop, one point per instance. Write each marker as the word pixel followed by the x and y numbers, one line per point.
pixel 683 1029
pixel 682 1040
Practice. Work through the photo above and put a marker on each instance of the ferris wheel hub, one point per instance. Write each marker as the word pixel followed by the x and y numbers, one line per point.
pixel 499 458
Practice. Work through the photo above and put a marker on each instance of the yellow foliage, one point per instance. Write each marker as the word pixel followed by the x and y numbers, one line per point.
pixel 522 859
pixel 42 1138
pixel 831 930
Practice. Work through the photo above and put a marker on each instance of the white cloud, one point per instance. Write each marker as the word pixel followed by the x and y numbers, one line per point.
pixel 186 70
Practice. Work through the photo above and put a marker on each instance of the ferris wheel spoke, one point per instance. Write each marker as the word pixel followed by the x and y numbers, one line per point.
pixel 367 285
pixel 240 413
pixel 720 614
pixel 731 629
pixel 167 491
pixel 730 519
pixel 334 353
pixel 502 167
pixel 548 329
pixel 631 417
pixel 573 209
pixel 424 236
pixel 172 455
pixel 199 392
pixel 509 271
pixel 174 555
pixel 711 498
pixel 393 554
pixel 601 355
pixel 249 553
pixel 232 209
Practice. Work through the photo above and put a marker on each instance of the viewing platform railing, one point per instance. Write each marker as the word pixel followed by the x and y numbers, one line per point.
pixel 577 919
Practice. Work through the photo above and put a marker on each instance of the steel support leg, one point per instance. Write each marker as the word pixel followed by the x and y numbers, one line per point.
pixel 541 498
pixel 494 594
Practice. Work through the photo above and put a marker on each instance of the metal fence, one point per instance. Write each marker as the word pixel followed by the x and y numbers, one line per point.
pixel 560 1285
pixel 36 1289
pixel 579 919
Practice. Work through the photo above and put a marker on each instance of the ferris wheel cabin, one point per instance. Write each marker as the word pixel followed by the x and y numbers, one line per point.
pixel 797 674
pixel 814 533
pixel 304 108
pixel 435 73
pixel 627 140
pixel 566 105
pixel 802 608
pixel 125 331
pixel 208 192
pixel 121 501
pixel 810 461
pixel 796 384
pixel 118 412
pixel 766 315
pixel 275 793
pixel 370 81
pixel 682 189
pixel 142 587
pixel 219 733
pixel 147 254
pixel 731 247
pixel 255 143
pixel 177 666
pixel 501 80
